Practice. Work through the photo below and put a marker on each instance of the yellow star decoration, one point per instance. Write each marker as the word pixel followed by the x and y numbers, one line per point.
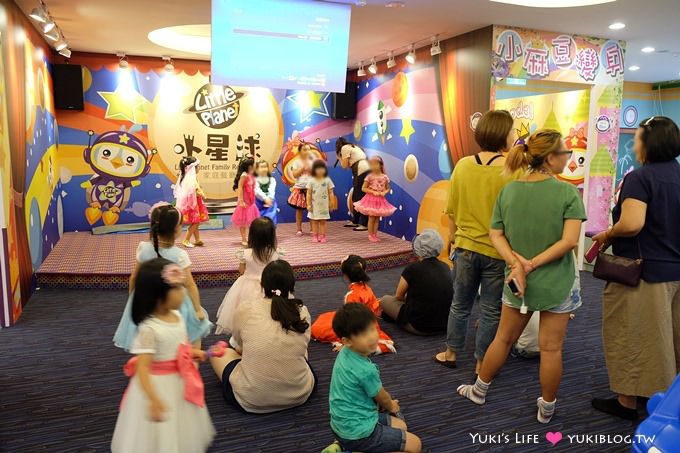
pixel 314 100
pixel 574 141
pixel 406 129
pixel 125 138
pixel 123 106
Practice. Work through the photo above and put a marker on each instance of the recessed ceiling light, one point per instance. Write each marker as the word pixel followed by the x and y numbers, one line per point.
pixel 185 38
pixel 633 68
pixel 395 4
pixel 553 3
pixel 617 26
pixel 648 49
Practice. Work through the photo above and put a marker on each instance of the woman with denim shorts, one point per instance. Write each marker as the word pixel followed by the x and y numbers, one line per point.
pixel 535 227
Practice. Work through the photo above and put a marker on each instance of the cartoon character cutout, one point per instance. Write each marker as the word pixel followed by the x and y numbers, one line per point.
pixel 119 160
pixel 381 124
pixel 291 157
pixel 575 171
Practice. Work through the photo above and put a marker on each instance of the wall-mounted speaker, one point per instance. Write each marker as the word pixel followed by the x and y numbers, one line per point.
pixel 68 86
pixel 345 104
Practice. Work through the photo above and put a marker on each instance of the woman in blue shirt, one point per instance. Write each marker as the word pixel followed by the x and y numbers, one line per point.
pixel 641 325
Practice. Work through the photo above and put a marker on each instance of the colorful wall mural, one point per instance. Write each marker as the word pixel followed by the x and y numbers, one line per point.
pixel 597 63
pixel 29 162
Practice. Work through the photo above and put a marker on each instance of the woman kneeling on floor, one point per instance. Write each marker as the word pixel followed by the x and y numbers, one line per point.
pixel 258 377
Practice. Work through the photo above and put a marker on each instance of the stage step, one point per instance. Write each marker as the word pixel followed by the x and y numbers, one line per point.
pixel 220 207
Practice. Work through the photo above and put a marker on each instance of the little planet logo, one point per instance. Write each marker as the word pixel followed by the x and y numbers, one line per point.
pixel 216 106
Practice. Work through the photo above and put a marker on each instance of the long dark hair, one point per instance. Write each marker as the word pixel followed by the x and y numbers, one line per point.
pixel 243 167
pixel 150 288
pixel 661 139
pixel 354 268
pixel 278 282
pixel 339 143
pixel 183 164
pixel 164 221
pixel 262 238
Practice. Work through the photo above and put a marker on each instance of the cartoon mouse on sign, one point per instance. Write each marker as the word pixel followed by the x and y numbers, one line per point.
pixel 119 160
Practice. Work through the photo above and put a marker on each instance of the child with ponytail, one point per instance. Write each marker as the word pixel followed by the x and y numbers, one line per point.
pixel 353 269
pixel 268 369
pixel 165 228
pixel 190 200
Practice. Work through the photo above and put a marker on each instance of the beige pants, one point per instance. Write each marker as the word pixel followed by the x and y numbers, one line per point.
pixel 641 335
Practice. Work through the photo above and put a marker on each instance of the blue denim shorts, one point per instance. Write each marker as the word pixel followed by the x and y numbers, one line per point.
pixel 571 303
pixel 383 439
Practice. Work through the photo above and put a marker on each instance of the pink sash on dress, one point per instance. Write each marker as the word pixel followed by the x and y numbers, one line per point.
pixel 184 365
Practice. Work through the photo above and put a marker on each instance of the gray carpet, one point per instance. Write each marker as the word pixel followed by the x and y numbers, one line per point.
pixel 62 381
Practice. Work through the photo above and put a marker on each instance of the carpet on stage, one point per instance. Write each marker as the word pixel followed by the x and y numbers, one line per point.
pixel 83 260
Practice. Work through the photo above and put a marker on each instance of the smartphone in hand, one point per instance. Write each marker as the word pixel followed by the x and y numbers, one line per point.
pixel 592 252
pixel 514 286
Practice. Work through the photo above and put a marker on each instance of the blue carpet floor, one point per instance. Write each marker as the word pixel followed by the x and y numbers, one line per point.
pixel 62 380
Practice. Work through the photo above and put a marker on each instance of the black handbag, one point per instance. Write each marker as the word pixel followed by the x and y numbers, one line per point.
pixel 618 269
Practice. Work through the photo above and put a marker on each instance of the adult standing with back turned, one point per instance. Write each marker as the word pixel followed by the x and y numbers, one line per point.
pixel 351 156
pixel 475 184
pixel 641 325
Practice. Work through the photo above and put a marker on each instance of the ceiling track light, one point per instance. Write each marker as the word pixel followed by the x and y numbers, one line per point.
pixel 436 48
pixel 38 14
pixel 390 61
pixel 361 72
pixel 122 60
pixel 411 56
pixel 49 28
pixel 169 65
pixel 373 68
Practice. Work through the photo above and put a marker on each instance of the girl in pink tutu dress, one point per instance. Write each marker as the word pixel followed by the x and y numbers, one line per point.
pixel 246 211
pixel 189 200
pixel 374 204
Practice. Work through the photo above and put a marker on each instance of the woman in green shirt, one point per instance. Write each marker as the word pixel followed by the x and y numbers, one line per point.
pixel 535 227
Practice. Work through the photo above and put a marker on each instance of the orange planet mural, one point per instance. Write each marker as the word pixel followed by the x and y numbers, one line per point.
pixel 399 89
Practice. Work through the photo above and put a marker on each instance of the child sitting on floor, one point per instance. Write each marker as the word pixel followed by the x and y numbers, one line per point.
pixel 356 388
pixel 354 271
pixel 260 252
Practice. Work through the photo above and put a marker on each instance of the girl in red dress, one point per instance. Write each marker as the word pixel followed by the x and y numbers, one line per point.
pixel 190 200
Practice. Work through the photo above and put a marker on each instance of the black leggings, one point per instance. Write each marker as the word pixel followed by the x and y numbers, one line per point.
pixel 358 194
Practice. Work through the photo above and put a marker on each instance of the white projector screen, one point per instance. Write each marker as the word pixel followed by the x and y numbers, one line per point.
pixel 291 44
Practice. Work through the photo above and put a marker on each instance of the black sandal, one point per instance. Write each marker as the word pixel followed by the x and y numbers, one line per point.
pixel 612 406
pixel 446 363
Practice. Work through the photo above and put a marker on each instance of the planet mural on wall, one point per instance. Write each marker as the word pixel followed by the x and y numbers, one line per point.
pixel 431 214
pixel 291 160
pixel 411 168
pixel 218 124
pixel 400 89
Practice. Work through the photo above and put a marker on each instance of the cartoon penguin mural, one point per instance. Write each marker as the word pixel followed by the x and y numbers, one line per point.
pixel 575 171
pixel 381 124
pixel 119 160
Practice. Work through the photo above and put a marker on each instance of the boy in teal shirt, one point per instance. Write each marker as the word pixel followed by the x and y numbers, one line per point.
pixel 356 391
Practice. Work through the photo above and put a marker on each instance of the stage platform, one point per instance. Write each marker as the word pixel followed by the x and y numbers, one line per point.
pixel 83 260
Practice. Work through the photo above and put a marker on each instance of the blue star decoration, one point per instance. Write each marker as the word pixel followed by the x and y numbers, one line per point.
pixel 310 103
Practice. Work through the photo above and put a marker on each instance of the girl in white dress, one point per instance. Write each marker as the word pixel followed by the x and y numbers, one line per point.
pixel 165 228
pixel 163 408
pixel 260 252
pixel 320 200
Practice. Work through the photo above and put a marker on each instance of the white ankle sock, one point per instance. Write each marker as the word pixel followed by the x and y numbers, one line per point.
pixel 546 410
pixel 475 393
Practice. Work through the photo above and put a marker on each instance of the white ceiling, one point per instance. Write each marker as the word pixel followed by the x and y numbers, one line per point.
pixel 109 26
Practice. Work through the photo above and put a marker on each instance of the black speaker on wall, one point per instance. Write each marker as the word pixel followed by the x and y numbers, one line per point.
pixel 68 86
pixel 345 104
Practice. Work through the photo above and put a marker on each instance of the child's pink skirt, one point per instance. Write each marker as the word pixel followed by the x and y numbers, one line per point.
pixel 243 217
pixel 374 206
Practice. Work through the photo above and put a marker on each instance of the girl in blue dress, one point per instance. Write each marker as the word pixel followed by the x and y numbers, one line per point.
pixel 166 227
pixel 265 191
